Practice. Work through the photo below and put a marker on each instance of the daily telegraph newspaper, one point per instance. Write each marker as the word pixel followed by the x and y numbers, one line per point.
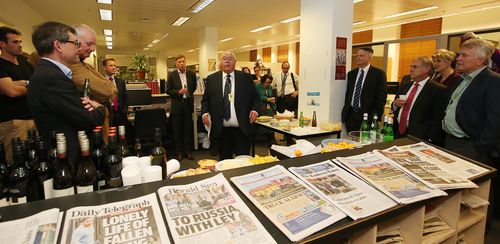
pixel 429 172
pixel 445 160
pixel 132 221
pixel 295 208
pixel 380 172
pixel 210 211
pixel 40 228
pixel 351 195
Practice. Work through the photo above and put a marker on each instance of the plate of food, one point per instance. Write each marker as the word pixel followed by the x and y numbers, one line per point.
pixel 207 164
pixel 189 172
pixel 264 119
pixel 339 144
pixel 262 160
pixel 231 164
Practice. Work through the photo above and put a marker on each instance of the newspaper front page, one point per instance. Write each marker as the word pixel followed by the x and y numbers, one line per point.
pixel 210 211
pixel 430 173
pixel 137 220
pixel 380 172
pixel 40 228
pixel 351 195
pixel 445 160
pixel 295 208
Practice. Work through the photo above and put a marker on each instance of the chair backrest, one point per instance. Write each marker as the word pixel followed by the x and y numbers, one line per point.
pixel 146 120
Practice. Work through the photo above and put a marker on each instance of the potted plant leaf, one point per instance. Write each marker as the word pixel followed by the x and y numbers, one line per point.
pixel 140 62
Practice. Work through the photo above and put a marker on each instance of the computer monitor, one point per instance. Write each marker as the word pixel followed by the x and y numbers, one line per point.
pixel 139 97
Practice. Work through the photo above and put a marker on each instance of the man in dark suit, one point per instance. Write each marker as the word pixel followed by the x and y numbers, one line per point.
pixel 229 106
pixel 181 84
pixel 366 91
pixel 53 98
pixel 417 107
pixel 119 105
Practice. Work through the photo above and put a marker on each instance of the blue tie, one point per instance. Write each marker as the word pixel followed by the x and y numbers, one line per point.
pixel 357 92
pixel 227 103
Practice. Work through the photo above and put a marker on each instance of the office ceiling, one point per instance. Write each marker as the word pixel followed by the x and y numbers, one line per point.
pixel 137 23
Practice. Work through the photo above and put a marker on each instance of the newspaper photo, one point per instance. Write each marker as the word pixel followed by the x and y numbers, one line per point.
pixel 353 196
pixel 398 184
pixel 137 220
pixel 210 211
pixel 295 208
pixel 447 161
pixel 430 173
pixel 40 228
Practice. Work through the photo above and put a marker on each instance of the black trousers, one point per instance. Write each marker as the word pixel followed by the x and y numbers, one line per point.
pixel 287 102
pixel 231 142
pixel 353 120
pixel 182 124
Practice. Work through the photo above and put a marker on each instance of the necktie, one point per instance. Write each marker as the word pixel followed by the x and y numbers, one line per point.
pixel 357 91
pixel 115 100
pixel 403 121
pixel 227 103
pixel 283 84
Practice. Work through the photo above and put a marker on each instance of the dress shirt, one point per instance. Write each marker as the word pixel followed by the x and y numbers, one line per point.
pixel 183 78
pixel 278 79
pixel 233 121
pixel 365 70
pixel 66 71
pixel 421 85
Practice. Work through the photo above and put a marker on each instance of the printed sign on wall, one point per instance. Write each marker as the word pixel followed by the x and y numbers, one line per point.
pixel 341 58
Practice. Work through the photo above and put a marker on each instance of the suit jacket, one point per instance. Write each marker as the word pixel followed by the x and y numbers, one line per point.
pixel 373 93
pixel 174 84
pixel 102 90
pixel 478 112
pixel 121 88
pixel 55 104
pixel 425 116
pixel 246 100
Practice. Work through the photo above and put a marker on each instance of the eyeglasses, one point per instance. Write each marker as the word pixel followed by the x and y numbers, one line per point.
pixel 76 42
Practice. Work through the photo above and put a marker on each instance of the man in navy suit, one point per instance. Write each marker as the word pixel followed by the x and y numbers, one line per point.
pixel 53 98
pixel 181 84
pixel 366 91
pixel 119 104
pixel 229 106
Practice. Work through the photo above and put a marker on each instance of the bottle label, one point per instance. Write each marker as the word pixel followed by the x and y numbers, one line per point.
pixel 19 201
pixel 4 202
pixel 101 184
pixel 84 189
pixel 115 182
pixel 47 188
pixel 63 192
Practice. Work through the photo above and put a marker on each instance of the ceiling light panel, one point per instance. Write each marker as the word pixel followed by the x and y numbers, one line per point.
pixel 108 38
pixel 106 14
pixel 286 21
pixel 411 12
pixel 200 5
pixel 105 1
pixel 108 32
pixel 227 39
pixel 180 21
pixel 262 28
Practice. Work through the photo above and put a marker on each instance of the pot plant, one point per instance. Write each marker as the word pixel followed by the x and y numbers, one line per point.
pixel 140 62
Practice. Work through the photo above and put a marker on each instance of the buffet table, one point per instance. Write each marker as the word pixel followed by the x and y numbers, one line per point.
pixel 360 231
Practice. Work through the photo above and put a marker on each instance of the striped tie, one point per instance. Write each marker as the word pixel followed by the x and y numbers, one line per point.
pixel 227 103
pixel 357 92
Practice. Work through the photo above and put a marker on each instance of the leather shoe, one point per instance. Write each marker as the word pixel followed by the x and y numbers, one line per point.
pixel 189 156
pixel 179 157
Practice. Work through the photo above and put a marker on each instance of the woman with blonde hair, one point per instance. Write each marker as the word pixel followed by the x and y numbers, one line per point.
pixel 444 63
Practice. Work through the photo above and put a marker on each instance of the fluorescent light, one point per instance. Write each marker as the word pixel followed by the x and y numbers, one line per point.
pixel 146 48
pixel 180 21
pixel 290 20
pixel 246 46
pixel 150 45
pixel 227 39
pixel 411 12
pixel 359 23
pixel 191 50
pixel 200 5
pixel 105 1
pixel 109 47
pixel 108 32
pixel 164 36
pixel 106 14
pixel 109 43
pixel 155 41
pixel 358 1
pixel 262 28
pixel 108 38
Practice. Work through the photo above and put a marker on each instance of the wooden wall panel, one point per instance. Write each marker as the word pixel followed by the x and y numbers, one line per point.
pixel 362 37
pixel 282 53
pixel 408 51
pixel 421 28
pixel 297 57
pixel 266 54
pixel 253 55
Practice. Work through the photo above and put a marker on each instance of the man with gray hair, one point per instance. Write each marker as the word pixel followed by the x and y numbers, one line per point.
pixel 53 98
pixel 102 90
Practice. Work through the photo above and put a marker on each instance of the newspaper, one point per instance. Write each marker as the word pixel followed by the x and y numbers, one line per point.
pixel 445 160
pixel 399 185
pixel 296 209
pixel 137 220
pixel 429 172
pixel 40 228
pixel 210 211
pixel 351 195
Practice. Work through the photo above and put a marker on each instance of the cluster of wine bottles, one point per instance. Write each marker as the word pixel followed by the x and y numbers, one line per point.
pixel 41 170
pixel 372 133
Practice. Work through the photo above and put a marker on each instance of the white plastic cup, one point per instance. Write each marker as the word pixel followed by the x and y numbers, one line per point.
pixel 151 173
pixel 131 175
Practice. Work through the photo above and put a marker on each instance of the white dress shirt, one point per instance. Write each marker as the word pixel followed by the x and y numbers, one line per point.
pixel 278 80
pixel 365 70
pixel 421 85
pixel 233 121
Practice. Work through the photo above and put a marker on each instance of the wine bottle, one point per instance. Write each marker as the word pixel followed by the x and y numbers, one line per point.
pixel 364 131
pixel 86 88
pixel 385 126
pixel 374 129
pixel 44 171
pixel 99 159
pixel 114 164
pixel 19 176
pixel 63 177
pixel 32 153
pixel 158 153
pixel 4 178
pixel 138 147
pixel 52 153
pixel 122 145
pixel 86 176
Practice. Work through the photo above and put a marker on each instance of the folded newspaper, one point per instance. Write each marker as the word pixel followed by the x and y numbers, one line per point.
pixel 42 227
pixel 210 211
pixel 351 195
pixel 383 174
pixel 137 220
pixel 295 208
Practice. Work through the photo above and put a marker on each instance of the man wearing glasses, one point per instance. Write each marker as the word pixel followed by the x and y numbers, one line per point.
pixel 53 98
pixel 102 89
pixel 15 71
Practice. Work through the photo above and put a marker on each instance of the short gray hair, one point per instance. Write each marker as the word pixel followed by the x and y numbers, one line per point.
pixel 80 28
pixel 483 49
pixel 426 62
